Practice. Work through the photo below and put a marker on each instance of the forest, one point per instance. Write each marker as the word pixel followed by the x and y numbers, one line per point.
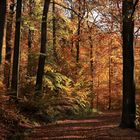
pixel 69 69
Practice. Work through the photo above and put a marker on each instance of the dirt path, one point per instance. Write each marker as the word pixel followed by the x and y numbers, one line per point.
pixel 101 127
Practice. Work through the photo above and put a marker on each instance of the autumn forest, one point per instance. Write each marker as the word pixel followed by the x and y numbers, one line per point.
pixel 69 69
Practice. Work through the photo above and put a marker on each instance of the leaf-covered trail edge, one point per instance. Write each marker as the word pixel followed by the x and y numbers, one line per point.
pixel 103 126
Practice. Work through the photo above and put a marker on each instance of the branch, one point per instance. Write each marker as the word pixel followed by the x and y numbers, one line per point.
pixel 134 7
pixel 137 30
pixel 65 7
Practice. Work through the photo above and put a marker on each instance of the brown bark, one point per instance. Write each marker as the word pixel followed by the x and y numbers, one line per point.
pixel 91 69
pixel 110 76
pixel 54 32
pixel 78 41
pixel 2 24
pixel 15 69
pixel 30 65
pixel 129 107
pixel 42 57
pixel 9 31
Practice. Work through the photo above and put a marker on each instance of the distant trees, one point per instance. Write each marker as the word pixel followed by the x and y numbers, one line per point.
pixel 129 107
pixel 3 4
pixel 42 56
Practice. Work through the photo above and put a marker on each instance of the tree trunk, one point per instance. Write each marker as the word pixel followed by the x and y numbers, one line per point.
pixel 91 70
pixel 42 57
pixel 78 33
pixel 15 69
pixel 30 65
pixel 71 18
pixel 9 31
pixel 109 84
pixel 78 42
pixel 54 31
pixel 97 95
pixel 71 12
pixel 129 107
pixel 110 76
pixel 2 24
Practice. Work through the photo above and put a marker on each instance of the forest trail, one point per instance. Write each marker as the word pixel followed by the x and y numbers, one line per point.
pixel 99 127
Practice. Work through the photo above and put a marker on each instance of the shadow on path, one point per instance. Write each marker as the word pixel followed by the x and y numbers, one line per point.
pixel 99 127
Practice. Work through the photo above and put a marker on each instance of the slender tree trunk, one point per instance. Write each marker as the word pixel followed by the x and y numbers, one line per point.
pixel 97 96
pixel 71 18
pixel 15 69
pixel 110 76
pixel 29 65
pixel 109 84
pixel 2 24
pixel 81 13
pixel 71 12
pixel 78 33
pixel 9 31
pixel 54 31
pixel 78 43
pixel 91 70
pixel 129 107
pixel 42 57
pixel 30 41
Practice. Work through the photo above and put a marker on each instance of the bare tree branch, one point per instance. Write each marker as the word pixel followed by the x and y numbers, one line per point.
pixel 134 7
pixel 65 7
pixel 137 30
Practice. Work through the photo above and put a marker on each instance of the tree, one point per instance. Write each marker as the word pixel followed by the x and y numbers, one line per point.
pixel 81 13
pixel 30 39
pixel 109 76
pixel 42 57
pixel 129 107
pixel 2 23
pixel 15 69
pixel 91 64
pixel 9 31
pixel 54 31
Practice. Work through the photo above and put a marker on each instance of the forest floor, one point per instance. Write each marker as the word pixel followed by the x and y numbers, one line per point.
pixel 103 126
pixel 100 127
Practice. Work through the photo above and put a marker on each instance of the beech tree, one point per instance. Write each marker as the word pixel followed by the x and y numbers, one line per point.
pixel 15 69
pixel 54 30
pixel 80 17
pixel 30 38
pixel 42 56
pixel 91 65
pixel 8 53
pixel 129 106
pixel 2 23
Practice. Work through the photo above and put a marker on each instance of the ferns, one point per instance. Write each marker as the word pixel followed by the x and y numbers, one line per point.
pixel 57 81
pixel 63 97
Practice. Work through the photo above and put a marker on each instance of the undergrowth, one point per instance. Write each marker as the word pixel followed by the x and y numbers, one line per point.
pixel 61 97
